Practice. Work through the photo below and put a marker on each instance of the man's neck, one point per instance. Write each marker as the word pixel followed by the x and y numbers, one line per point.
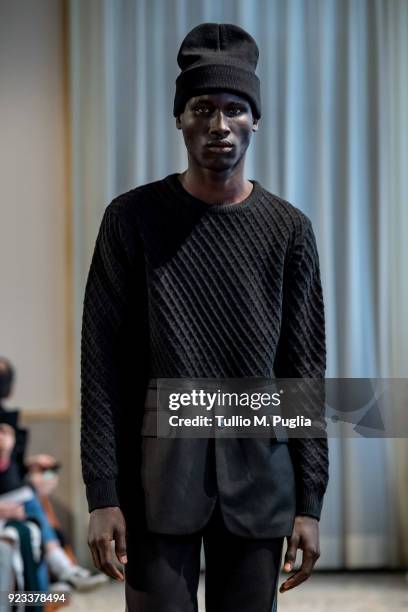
pixel 215 187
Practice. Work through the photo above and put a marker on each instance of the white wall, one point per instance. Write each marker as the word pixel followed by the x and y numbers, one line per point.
pixel 34 202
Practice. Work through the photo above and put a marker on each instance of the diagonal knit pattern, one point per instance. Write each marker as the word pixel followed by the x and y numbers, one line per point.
pixel 233 291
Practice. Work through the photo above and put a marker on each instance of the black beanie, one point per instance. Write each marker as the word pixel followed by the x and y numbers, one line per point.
pixel 217 56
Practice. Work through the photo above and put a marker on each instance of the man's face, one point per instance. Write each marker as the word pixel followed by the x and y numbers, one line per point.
pixel 7 439
pixel 217 129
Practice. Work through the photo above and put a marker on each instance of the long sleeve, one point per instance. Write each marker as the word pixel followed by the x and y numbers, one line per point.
pixel 106 302
pixel 301 353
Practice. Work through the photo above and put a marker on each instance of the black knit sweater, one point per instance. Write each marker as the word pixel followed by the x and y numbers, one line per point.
pixel 203 290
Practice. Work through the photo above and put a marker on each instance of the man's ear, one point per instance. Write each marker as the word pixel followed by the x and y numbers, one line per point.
pixel 255 125
pixel 178 123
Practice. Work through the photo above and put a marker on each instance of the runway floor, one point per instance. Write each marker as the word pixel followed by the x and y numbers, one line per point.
pixel 323 592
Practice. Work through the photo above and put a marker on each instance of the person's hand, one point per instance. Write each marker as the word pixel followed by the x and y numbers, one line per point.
pixel 12 511
pixel 41 460
pixel 105 525
pixel 305 535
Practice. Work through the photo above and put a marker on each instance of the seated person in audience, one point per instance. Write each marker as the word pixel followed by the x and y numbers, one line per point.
pixel 41 469
pixel 20 528
pixel 18 500
pixel 42 474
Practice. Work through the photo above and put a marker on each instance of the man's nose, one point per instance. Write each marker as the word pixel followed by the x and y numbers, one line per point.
pixel 218 124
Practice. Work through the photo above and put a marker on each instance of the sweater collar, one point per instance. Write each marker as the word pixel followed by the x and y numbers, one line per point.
pixel 175 185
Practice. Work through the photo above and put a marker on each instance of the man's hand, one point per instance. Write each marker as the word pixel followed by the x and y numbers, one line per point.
pixel 12 511
pixel 105 525
pixel 305 535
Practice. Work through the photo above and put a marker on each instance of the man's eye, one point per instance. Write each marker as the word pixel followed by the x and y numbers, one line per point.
pixel 202 110
pixel 235 110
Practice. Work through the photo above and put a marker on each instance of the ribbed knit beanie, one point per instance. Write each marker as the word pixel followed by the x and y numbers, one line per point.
pixel 217 56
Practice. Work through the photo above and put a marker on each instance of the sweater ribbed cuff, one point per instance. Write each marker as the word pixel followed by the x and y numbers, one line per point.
pixel 309 503
pixel 101 494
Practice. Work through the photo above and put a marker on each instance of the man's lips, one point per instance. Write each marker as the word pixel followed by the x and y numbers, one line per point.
pixel 219 143
pixel 220 146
